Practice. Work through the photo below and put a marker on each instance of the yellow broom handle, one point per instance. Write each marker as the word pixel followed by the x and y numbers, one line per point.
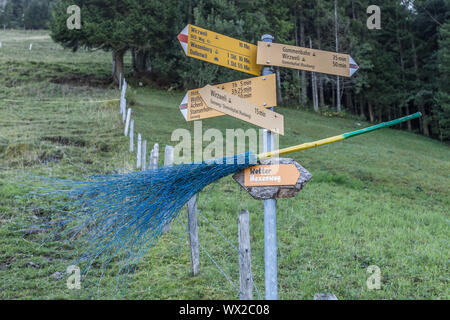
pixel 309 145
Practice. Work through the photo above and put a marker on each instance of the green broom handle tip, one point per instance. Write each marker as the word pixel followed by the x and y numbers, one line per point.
pixel 382 125
pixel 340 137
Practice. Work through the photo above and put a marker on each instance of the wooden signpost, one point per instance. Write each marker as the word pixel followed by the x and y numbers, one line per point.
pixel 216 48
pixel 252 100
pixel 282 55
pixel 242 109
pixel 260 91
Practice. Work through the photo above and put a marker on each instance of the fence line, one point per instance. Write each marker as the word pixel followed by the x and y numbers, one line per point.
pixel 212 259
pixel 192 227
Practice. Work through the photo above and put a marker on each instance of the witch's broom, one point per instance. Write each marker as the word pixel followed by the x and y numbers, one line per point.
pixel 121 215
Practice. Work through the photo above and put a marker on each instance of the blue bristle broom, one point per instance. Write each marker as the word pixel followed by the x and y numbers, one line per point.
pixel 120 216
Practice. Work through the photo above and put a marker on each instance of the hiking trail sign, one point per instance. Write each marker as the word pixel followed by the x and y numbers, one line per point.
pixel 282 55
pixel 260 91
pixel 216 48
pixel 271 175
pixel 270 190
pixel 242 109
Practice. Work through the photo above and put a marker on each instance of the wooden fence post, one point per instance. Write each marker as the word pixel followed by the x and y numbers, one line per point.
pixel 154 158
pixel 132 136
pixel 124 113
pixel 325 296
pixel 127 122
pixel 139 156
pixel 144 155
pixel 193 234
pixel 168 156
pixel 168 162
pixel 245 267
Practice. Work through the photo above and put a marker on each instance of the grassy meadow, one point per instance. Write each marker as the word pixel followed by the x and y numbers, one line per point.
pixel 379 199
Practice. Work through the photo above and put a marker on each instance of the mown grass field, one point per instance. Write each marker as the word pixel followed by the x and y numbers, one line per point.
pixel 379 199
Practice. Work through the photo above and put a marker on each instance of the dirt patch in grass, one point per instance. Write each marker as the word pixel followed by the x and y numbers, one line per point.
pixel 83 80
pixel 66 141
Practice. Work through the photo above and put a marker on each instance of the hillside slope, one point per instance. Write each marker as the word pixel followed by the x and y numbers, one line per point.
pixel 379 199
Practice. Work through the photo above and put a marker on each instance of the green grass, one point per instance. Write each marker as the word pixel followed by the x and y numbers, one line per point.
pixel 378 199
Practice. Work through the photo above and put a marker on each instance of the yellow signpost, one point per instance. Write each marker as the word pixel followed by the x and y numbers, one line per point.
pixel 260 91
pixel 242 109
pixel 277 54
pixel 271 175
pixel 216 48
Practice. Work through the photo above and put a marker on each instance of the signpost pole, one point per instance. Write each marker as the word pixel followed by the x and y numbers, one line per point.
pixel 270 216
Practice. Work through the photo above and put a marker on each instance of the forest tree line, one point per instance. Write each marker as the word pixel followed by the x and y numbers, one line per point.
pixel 404 66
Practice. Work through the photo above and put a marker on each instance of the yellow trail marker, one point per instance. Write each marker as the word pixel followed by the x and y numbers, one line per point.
pixel 242 109
pixel 282 55
pixel 260 91
pixel 216 48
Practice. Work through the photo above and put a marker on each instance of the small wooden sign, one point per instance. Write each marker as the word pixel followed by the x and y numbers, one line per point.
pixel 282 55
pixel 234 106
pixel 219 49
pixel 260 91
pixel 271 175
pixel 271 190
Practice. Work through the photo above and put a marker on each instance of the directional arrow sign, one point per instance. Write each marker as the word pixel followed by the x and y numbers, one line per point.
pixel 282 55
pixel 260 91
pixel 271 175
pixel 216 48
pixel 242 109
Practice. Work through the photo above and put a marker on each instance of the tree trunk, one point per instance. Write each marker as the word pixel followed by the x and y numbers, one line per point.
pixel 333 95
pixel 118 65
pixel 371 116
pixel 402 64
pixel 423 124
pixel 133 59
pixel 348 100
pixel 141 60
pixel 338 90
pixel 279 93
pixel 304 93
pixel 361 106
pixel 408 122
pixel 314 86
pixel 297 43
pixel 319 76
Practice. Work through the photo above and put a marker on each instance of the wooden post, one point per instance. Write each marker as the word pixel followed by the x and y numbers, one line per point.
pixel 127 122
pixel 139 156
pixel 144 155
pixel 124 114
pixel 325 296
pixel 132 136
pixel 245 267
pixel 193 234
pixel 168 156
pixel 168 162
pixel 154 159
